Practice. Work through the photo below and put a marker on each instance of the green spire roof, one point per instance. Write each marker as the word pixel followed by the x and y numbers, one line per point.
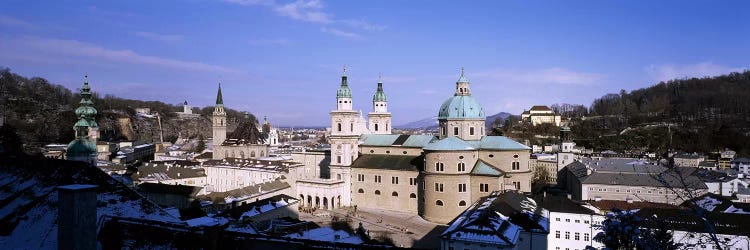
pixel 344 91
pixel 379 95
pixel 219 99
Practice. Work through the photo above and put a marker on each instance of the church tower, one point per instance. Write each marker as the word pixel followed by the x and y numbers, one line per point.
pixel 461 115
pixel 83 148
pixel 219 120
pixel 565 155
pixel 380 118
pixel 344 137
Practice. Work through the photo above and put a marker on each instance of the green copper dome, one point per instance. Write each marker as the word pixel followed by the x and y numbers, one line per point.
pixel 379 95
pixel 80 147
pixel 344 91
pixel 86 111
pixel 461 107
pixel 82 123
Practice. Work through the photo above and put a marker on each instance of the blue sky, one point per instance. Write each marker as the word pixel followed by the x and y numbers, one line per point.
pixel 283 59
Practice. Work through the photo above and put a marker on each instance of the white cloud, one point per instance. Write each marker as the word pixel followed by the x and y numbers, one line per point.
pixel 362 24
pixel 15 22
pixel 58 48
pixel 278 41
pixel 552 75
pixel 313 11
pixel 341 33
pixel 304 10
pixel 667 72
pixel 158 37
pixel 251 2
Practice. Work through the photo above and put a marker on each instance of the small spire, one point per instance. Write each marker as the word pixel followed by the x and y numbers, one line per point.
pixel 86 78
pixel 219 99
pixel 462 70
pixel 380 78
pixel 344 70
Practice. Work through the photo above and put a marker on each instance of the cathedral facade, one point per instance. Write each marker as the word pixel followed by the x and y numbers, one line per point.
pixel 436 177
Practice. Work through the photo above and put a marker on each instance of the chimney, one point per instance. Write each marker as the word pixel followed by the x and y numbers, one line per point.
pixel 76 227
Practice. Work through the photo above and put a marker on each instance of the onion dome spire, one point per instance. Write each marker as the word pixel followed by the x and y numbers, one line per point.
pixel 344 91
pixel 379 94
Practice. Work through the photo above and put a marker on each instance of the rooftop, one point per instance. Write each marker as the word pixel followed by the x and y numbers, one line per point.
pixel 389 162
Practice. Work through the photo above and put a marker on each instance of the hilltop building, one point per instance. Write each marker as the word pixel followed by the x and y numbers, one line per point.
pixel 540 114
pixel 83 148
pixel 187 111
pixel 245 141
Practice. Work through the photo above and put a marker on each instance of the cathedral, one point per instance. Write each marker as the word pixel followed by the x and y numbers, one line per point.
pixel 435 177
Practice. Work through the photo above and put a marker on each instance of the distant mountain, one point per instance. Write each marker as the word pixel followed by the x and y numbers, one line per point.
pixel 432 122
pixel 502 116
pixel 426 123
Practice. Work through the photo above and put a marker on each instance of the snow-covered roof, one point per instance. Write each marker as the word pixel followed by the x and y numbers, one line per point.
pixel 498 219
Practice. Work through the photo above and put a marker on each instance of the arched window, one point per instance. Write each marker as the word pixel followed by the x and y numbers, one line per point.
pixel 439 203
pixel 262 153
pixel 252 153
pixel 394 194
pixel 339 127
pixel 413 195
pixel 377 192
pixel 242 154
pixel 461 203
pixel 361 191
pixel 461 167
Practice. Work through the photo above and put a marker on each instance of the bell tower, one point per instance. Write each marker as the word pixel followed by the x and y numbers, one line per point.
pixel 219 120
pixel 380 118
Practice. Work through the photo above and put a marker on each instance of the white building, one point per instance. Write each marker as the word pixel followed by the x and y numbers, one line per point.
pixel 233 173
pixel 540 115
pixel 572 225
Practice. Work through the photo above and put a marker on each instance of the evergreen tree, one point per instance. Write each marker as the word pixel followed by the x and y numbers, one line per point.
pixel 201 144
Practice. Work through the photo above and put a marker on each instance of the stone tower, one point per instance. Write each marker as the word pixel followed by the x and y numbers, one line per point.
pixel 344 137
pixel 565 156
pixel 380 118
pixel 461 115
pixel 219 120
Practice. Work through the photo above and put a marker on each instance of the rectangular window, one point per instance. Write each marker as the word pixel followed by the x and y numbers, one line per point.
pixel 516 166
pixel 338 159
pixel 471 131
pixel 439 167
pixel 567 235
pixel 567 220
pixel 517 185
pixel 462 188
pixel 394 179
pixel 484 187
pixel 361 177
pixel 557 234
pixel 378 179
pixel 455 131
pixel 438 187
pixel 585 237
pixel 413 181
pixel 577 236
